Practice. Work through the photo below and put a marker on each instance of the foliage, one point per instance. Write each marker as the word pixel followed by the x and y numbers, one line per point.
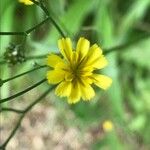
pixel 120 27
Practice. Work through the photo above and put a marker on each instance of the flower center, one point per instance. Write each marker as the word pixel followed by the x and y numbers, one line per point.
pixel 73 72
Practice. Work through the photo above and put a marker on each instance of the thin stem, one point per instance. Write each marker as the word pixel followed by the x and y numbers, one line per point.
pixel 36 57
pixel 19 75
pixel 57 27
pixel 38 99
pixel 40 4
pixel 44 8
pixel 11 109
pixel 3 146
pixel 22 92
pixel 12 33
pixel 106 51
pixel 33 28
pixel 123 46
pixel 41 23
pixel 13 132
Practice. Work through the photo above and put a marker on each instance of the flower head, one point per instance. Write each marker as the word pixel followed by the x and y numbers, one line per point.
pixel 107 126
pixel 75 73
pixel 26 2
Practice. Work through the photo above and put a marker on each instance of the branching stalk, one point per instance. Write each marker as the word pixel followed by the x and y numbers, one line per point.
pixel 3 146
pixel 24 73
pixel 22 92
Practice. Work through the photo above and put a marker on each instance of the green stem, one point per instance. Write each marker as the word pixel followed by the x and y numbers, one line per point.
pixel 106 51
pixel 40 4
pixel 57 27
pixel 41 23
pixel 11 109
pixel 123 46
pixel 43 8
pixel 22 92
pixel 19 75
pixel 39 99
pixel 38 25
pixel 3 146
pixel 36 57
pixel 13 132
pixel 12 33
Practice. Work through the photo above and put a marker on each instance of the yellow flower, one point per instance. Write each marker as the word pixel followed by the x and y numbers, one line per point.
pixel 26 2
pixel 107 126
pixel 75 73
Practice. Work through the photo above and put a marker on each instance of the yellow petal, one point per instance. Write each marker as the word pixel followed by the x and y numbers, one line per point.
pixel 87 92
pixel 75 94
pixel 63 89
pixel 69 76
pixel 102 81
pixel 62 66
pixel 74 59
pixel 93 55
pixel 55 76
pixel 82 47
pixel 26 2
pixel 65 46
pixel 95 49
pixel 86 71
pixel 53 60
pixel 100 62
pixel 87 79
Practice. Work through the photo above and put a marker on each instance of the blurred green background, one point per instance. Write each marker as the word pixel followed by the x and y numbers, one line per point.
pixel 108 23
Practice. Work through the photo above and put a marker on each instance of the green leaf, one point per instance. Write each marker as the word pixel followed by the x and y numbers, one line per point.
pixel 138 122
pixel 138 54
pixel 105 26
pixel 72 19
pixel 134 14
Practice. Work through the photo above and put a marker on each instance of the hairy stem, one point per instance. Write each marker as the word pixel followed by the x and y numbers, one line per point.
pixel 11 110
pixel 3 146
pixel 48 17
pixel 12 33
pixel 126 45
pixel 22 92
pixel 19 75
